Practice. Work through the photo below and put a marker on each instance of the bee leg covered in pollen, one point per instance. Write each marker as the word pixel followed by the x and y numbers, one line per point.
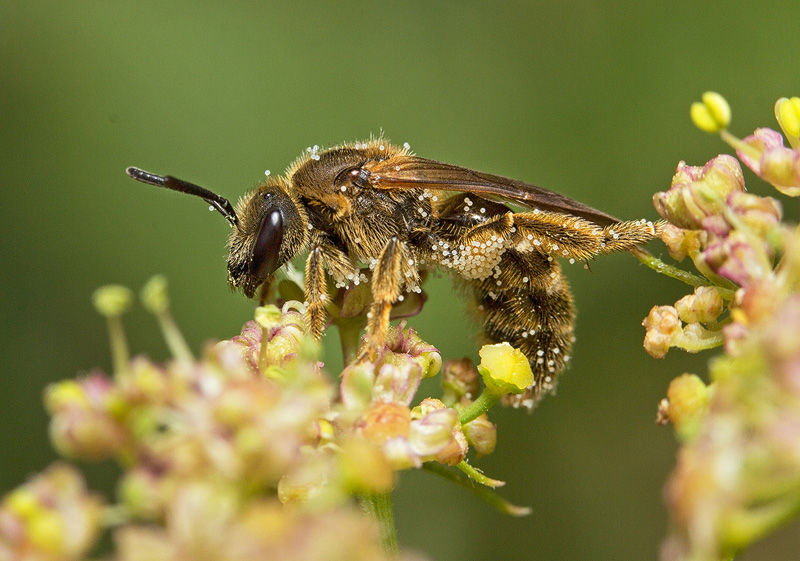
pixel 396 268
pixel 316 292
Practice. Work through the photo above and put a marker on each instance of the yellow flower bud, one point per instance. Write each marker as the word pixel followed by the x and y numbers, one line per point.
pixel 712 114
pixel 154 295
pixel 46 531
pixel 787 112
pixel 112 300
pixel 505 368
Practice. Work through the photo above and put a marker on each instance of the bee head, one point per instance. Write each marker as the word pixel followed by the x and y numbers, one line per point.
pixel 269 233
pixel 268 229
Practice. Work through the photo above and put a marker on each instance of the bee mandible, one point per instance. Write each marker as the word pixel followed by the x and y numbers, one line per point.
pixel 377 204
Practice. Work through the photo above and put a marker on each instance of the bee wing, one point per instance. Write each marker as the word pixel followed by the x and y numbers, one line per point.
pixel 412 172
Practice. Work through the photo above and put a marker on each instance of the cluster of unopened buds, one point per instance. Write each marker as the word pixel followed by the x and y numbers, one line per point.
pixel 738 471
pixel 253 451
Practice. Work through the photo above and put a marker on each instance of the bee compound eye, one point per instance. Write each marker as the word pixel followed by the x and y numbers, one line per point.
pixel 264 255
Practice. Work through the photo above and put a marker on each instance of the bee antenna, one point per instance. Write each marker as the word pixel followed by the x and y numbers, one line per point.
pixel 222 205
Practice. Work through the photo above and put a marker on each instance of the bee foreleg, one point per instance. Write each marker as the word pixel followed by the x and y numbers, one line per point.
pixel 316 292
pixel 396 268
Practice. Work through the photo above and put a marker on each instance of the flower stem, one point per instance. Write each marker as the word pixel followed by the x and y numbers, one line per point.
pixel 380 506
pixel 485 401
pixel 678 274
pixel 486 494
pixel 349 338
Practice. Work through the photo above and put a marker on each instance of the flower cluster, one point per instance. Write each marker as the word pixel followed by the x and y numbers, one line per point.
pixel 253 451
pixel 738 470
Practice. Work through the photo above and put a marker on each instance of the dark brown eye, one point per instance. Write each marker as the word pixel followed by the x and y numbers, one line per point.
pixel 264 256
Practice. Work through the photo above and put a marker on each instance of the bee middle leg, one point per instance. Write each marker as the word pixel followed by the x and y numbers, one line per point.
pixel 321 257
pixel 395 269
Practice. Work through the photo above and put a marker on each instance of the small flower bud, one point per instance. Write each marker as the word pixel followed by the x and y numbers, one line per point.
pixel 787 112
pixel 736 259
pixel 505 368
pixel 50 517
pixel 459 379
pixel 112 300
pixel 384 421
pixel 712 114
pixel 435 433
pixel 698 193
pixel 764 153
pixel 154 295
pixel 688 398
pixel 704 306
pixel 481 435
pixel 663 327
pixel 680 242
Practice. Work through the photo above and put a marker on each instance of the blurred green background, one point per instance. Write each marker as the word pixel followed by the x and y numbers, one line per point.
pixel 588 98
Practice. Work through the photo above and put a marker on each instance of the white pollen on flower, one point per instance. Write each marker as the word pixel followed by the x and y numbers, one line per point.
pixel 357 240
pixel 525 279
pixel 434 247
pixel 382 147
pixel 536 211
pixel 401 298
pixel 310 226
pixel 483 210
pixel 396 168
pixel 406 145
pixel 537 243
pixel 434 198
pixel 211 208
pixel 344 188
pixel 548 379
pixel 266 172
pixel 323 297
pixel 499 283
pixel 556 350
pixel 555 247
pixel 539 361
pixel 315 157
pixel 540 352
pixel 468 201
pixel 572 261
pixel 524 334
pixel 410 261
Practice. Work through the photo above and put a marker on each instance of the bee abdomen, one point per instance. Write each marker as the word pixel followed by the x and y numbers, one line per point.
pixel 527 302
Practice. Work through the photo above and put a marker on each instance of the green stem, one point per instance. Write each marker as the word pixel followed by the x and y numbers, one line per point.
pixel 120 355
pixel 349 338
pixel 484 493
pixel 485 401
pixel 173 337
pixel 380 506
pixel 679 274
pixel 478 476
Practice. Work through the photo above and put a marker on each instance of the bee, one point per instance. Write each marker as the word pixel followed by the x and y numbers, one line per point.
pixel 377 204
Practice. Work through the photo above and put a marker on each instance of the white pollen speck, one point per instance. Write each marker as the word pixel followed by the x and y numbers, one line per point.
pixel 401 298
pixel 540 352
pixel 406 145
pixel 572 261
pixel 525 279
pixel 310 226
pixel 357 240
pixel 382 147
pixel 524 334
pixel 323 297
pixel 410 261
pixel 344 188
pixel 267 172
pixel 435 198
pixel 396 168
pixel 483 210
pixel 211 208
